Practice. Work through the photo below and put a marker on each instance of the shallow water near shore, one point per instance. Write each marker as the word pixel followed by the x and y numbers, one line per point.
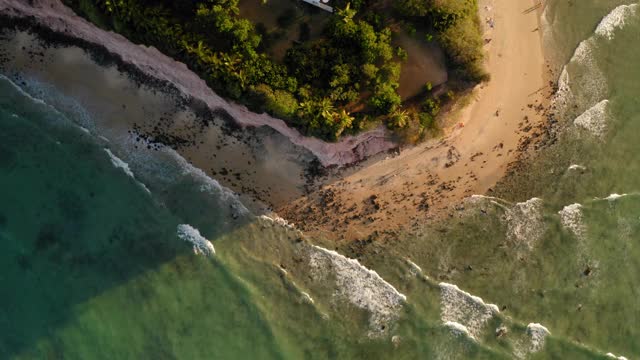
pixel 95 265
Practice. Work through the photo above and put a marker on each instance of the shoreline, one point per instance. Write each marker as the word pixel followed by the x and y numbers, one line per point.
pixel 374 195
pixel 62 24
pixel 485 141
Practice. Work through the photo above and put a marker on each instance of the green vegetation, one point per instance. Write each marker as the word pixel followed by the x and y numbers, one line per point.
pixel 456 25
pixel 325 85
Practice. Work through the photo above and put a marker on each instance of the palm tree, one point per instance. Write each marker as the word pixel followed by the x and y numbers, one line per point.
pixel 399 119
pixel 325 109
pixel 347 14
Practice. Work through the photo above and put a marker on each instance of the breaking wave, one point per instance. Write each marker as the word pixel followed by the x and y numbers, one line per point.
pixel 582 83
pixel 200 245
pixel 464 309
pixel 595 119
pixel 537 334
pixel 118 163
pixel 572 220
pixel 360 286
pixel 616 19
pixel 525 223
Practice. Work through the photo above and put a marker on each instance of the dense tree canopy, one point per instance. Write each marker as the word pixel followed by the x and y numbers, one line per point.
pixel 352 66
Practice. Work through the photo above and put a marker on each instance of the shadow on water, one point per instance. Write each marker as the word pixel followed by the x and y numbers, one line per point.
pixel 90 263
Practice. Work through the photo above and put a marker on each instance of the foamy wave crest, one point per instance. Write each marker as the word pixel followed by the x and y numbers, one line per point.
pixel 118 163
pixel 595 119
pixel 537 334
pixel 359 286
pixel 576 167
pixel 571 219
pixel 465 309
pixel 612 356
pixel 613 197
pixel 582 83
pixel 210 185
pixel 458 329
pixel 616 19
pixel 307 298
pixel 192 235
pixel 272 218
pixel 525 224
pixel 563 96
pixel 479 199
pixel 414 268
pixel 591 86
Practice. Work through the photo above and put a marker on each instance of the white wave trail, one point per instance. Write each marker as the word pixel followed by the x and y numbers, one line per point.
pixel 591 86
pixel 525 224
pixel 460 307
pixel 360 286
pixel 537 334
pixel 576 167
pixel 616 19
pixel 208 184
pixel 613 356
pixel 200 245
pixel 613 197
pixel 414 268
pixel 458 329
pixel 275 219
pixel 120 164
pixel 595 119
pixel 571 219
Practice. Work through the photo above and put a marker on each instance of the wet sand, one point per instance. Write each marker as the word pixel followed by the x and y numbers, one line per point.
pixel 258 163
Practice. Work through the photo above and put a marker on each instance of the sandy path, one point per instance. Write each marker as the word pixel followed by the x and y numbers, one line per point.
pixel 416 185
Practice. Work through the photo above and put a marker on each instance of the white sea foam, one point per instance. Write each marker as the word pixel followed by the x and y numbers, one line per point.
pixel 595 119
pixel 525 225
pixel 278 220
pixel 616 19
pixel 575 167
pixel 200 245
pixel 592 85
pixel 414 268
pixel 476 199
pixel 572 220
pixel 120 164
pixel 209 185
pixel 613 197
pixel 465 309
pixel 537 334
pixel 359 286
pixel 563 97
pixel 588 87
pixel 458 329
pixel 611 355
pixel 307 298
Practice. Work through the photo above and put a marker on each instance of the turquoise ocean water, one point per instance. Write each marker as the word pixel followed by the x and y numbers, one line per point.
pixel 97 260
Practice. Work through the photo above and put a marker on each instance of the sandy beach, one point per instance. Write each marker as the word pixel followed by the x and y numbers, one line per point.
pixel 403 192
pixel 384 192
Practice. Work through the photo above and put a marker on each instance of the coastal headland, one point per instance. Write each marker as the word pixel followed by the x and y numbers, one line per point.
pixel 363 185
pixel 506 119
